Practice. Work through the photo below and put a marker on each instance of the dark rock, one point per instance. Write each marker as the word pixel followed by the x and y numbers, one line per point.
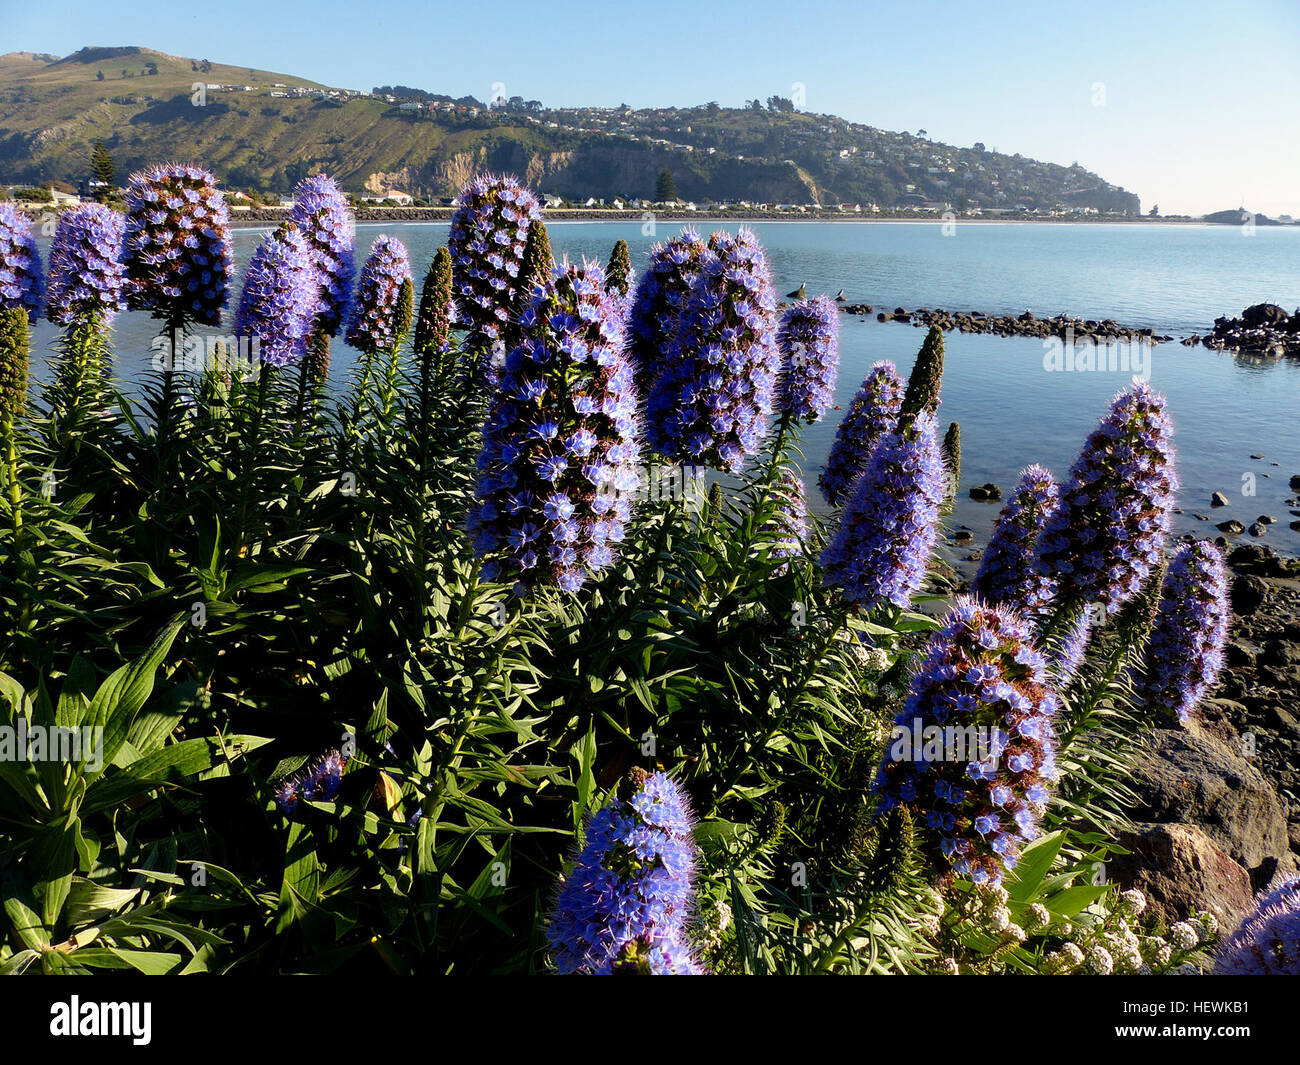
pixel 1266 519
pixel 1193 778
pixel 963 536
pixel 1248 594
pixel 986 493
pixel 1232 527
pixel 1218 500
pixel 1256 529
pixel 1238 656
pixel 1181 870
pixel 1261 315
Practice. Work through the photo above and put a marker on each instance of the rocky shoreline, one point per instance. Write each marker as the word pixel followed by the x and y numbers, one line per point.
pixel 1027 324
pixel 1263 329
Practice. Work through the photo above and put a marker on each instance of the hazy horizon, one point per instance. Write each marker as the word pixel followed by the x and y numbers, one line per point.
pixel 1196 115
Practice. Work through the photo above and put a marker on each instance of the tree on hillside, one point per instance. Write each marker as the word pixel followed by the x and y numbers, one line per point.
pixel 665 187
pixel 102 169
pixel 1155 211
pixel 99 75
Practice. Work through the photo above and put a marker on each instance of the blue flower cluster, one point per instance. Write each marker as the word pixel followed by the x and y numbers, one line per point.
pixel 318 782
pixel 1007 574
pixel 711 403
pixel 981 678
pixel 624 906
pixel 374 326
pixel 177 245
pixel 1108 533
pixel 87 282
pixel 1185 652
pixel 889 527
pixel 280 297
pixel 487 238
pixel 658 301
pixel 22 283
pixel 809 342
pixel 560 462
pixel 873 413
pixel 321 213
pixel 1267 942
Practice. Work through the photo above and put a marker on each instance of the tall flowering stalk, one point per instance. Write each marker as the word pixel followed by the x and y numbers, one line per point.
pixel 658 301
pixel 22 285
pixel 536 270
pixel 22 288
pixel 432 338
pixel 618 274
pixel 381 315
pixel 87 290
pixel 624 905
pixel 809 342
pixel 560 454
pixel 322 215
pixel 487 238
pixel 888 529
pixel 716 390
pixel 1185 652
pixel 872 414
pixel 178 265
pixel 1007 574
pixel 1267 942
pixel 926 378
pixel 1106 536
pixel 281 297
pixel 982 679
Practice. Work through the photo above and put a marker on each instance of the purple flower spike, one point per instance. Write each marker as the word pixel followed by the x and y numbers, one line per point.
pixel 320 781
pixel 624 906
pixel 87 282
pixel 177 245
pixel 322 215
pixel 374 326
pixel 809 341
pixel 1185 653
pixel 487 238
pixel 1107 535
pixel 1267 942
pixel 22 283
pixel 981 680
pixel 789 525
pixel 889 527
pixel 1007 574
pixel 711 403
pixel 873 413
pixel 560 460
pixel 280 298
pixel 658 302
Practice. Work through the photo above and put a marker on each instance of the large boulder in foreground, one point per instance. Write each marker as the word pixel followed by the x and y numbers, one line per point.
pixel 1180 869
pixel 1190 777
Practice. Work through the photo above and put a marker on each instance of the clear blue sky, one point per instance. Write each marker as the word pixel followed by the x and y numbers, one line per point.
pixel 1201 105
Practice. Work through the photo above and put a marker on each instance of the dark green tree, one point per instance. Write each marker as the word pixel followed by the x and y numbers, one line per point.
pixel 618 274
pixel 665 187
pixel 102 169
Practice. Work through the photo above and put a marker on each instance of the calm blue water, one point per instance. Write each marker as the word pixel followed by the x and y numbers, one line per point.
pixel 1175 279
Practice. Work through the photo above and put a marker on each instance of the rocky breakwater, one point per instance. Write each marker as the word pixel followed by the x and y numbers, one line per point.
pixel 1264 330
pixel 1026 324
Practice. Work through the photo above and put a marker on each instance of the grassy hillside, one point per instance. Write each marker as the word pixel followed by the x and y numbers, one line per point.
pixel 274 127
